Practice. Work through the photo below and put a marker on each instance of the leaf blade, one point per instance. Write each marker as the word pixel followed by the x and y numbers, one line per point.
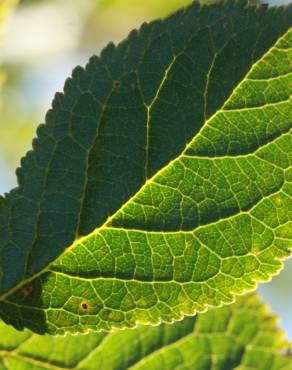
pixel 239 198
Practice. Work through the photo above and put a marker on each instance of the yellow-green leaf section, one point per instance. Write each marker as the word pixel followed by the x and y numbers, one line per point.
pixel 243 336
pixel 161 181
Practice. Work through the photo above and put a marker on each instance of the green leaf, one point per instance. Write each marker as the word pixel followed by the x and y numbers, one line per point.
pixel 243 336
pixel 161 181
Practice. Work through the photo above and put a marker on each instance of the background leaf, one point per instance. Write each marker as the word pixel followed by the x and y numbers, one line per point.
pixel 241 336
pixel 165 167
pixel 6 6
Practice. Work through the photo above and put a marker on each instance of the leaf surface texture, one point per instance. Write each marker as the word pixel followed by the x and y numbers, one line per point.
pixel 160 183
pixel 243 336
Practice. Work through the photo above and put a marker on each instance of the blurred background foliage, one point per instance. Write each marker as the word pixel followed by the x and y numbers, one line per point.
pixel 6 6
pixel 41 41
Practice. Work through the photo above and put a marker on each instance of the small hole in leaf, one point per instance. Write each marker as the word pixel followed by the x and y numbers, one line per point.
pixel 117 84
pixel 84 305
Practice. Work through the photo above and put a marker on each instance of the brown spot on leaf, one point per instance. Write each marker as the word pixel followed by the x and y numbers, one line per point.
pixel 27 291
pixel 263 6
pixel 117 84
pixel 84 305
